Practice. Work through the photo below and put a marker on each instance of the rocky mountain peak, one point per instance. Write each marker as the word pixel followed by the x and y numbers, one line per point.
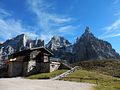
pixel 89 47
pixel 60 40
pixel 21 36
pixel 87 36
pixel 87 30
pixel 56 37
pixel 57 42
pixel 18 43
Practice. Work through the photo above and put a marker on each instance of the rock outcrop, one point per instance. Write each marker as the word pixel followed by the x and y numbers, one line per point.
pixel 89 47
pixel 58 42
pixel 61 47
pixel 17 44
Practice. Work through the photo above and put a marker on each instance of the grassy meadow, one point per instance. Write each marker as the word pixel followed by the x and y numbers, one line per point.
pixel 104 82
pixel 46 75
pixel 105 74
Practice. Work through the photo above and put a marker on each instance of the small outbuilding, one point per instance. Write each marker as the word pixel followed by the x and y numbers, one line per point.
pixel 30 61
pixel 57 64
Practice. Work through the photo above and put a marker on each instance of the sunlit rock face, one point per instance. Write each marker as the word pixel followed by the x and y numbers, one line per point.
pixel 19 43
pixel 89 47
pixel 57 42
pixel 61 47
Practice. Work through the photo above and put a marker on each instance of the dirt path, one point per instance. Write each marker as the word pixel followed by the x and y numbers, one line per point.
pixel 26 84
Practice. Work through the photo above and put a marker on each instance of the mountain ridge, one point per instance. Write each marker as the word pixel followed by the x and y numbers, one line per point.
pixel 16 44
pixel 89 47
pixel 86 47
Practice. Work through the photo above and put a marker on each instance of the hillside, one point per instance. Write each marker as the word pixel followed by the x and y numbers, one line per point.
pixel 104 82
pixel 108 67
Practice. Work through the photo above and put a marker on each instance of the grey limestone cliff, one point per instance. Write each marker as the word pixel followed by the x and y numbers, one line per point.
pixel 89 47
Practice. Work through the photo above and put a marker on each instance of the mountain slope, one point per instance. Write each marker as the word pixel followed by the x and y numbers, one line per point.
pixel 89 47
pixel 61 48
pixel 57 42
pixel 16 44
pixel 107 67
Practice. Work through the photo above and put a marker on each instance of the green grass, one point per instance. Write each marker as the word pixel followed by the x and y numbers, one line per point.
pixel 104 82
pixel 108 67
pixel 46 75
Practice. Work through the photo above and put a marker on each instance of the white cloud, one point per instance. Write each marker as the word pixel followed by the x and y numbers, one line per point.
pixel 114 26
pixel 117 35
pixel 112 30
pixel 10 27
pixel 69 29
pixel 65 28
pixel 46 37
pixel 49 23
pixel 46 19
pixel 117 14
pixel 116 1
pixel 110 35
pixel 4 13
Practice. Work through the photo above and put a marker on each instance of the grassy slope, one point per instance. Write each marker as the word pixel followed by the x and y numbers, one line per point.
pixel 108 67
pixel 47 75
pixel 105 82
pixel 103 70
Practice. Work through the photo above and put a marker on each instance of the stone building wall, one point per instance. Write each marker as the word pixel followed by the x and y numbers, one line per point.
pixel 43 67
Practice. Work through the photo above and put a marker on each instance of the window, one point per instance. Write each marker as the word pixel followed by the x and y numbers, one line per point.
pixel 45 58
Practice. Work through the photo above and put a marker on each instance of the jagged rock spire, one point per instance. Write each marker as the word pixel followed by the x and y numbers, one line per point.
pixel 57 42
pixel 87 30
pixel 89 47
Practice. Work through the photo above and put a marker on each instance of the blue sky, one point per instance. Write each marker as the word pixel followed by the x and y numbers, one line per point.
pixel 68 18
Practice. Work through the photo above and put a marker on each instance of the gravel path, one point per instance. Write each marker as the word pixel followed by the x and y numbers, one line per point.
pixel 27 84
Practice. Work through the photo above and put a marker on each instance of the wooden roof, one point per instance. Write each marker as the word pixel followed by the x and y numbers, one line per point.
pixel 42 49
